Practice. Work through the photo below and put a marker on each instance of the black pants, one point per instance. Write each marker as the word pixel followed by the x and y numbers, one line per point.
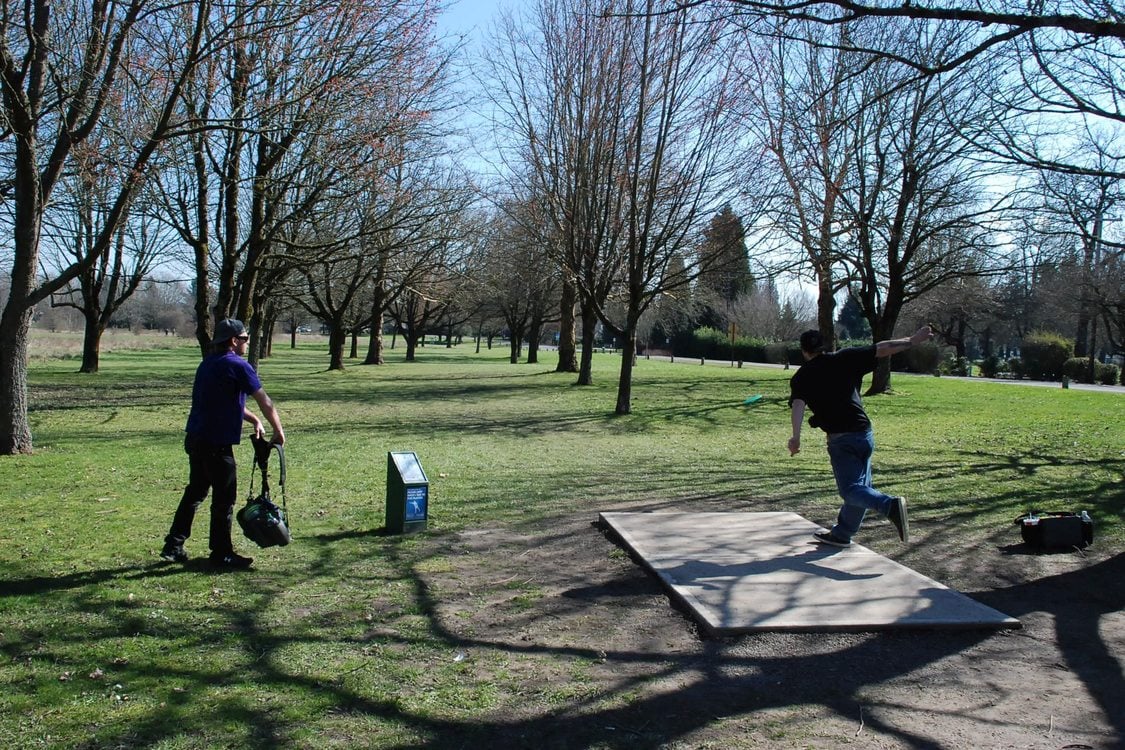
pixel 211 468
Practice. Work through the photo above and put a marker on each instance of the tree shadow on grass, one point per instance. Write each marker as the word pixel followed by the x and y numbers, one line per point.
pixel 1078 601
pixel 716 683
pixel 718 679
pixel 834 675
pixel 36 585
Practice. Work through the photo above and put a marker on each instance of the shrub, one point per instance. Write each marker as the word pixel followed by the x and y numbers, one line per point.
pixel 1015 366
pixel 957 366
pixel 706 343
pixel 1044 354
pixel 924 358
pixel 711 343
pixel 751 350
pixel 777 353
pixel 991 366
pixel 1078 369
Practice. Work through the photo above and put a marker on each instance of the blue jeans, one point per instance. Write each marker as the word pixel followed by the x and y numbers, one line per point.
pixel 850 454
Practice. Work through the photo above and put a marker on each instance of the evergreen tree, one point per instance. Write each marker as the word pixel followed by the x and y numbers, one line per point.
pixel 851 324
pixel 726 275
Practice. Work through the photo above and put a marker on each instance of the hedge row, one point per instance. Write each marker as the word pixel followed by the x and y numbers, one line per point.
pixel 1078 369
pixel 1045 356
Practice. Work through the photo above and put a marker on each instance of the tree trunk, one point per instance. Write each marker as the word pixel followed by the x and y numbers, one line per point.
pixel 257 345
pixel 336 339
pixel 568 355
pixel 589 328
pixel 15 430
pixel 268 319
pixel 881 378
pixel 92 332
pixel 375 340
pixel 1081 347
pixel 625 380
pixel 826 308
pixel 15 320
pixel 533 336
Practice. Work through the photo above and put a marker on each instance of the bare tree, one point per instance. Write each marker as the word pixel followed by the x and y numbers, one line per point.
pixel 335 293
pixel 915 199
pixel 60 65
pixel 960 310
pixel 421 306
pixel 798 96
pixel 624 141
pixel 1082 212
pixel 520 280
pixel 417 208
pixel 100 290
pixel 1041 60
pixel 76 218
pixel 559 97
pixel 303 98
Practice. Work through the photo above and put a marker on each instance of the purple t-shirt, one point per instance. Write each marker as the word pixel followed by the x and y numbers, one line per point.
pixel 222 383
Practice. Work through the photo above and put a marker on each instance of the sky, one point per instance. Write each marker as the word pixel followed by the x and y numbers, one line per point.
pixel 473 18
pixel 470 21
pixel 470 16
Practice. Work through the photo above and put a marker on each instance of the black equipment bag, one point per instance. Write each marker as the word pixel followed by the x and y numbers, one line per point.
pixel 263 522
pixel 1056 531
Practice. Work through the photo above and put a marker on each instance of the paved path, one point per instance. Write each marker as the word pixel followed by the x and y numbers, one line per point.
pixel 746 572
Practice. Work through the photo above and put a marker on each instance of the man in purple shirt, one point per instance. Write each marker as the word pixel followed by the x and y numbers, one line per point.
pixel 218 408
pixel 828 385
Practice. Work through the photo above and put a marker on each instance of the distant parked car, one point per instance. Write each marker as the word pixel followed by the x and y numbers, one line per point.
pixel 304 329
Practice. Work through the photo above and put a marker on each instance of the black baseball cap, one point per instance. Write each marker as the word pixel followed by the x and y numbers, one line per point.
pixel 226 329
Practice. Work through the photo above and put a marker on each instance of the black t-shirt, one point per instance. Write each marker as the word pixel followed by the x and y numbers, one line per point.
pixel 829 385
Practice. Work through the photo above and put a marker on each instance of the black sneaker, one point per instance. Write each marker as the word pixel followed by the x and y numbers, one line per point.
pixel 231 561
pixel 897 516
pixel 827 537
pixel 174 553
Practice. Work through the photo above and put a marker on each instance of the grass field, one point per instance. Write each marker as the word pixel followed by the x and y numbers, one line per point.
pixel 333 640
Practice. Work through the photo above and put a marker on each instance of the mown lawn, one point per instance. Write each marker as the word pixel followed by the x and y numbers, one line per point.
pixel 333 640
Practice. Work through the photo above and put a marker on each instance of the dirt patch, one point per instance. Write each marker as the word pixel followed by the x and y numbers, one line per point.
pixel 606 661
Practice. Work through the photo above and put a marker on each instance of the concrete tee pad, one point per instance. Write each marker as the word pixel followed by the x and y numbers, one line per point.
pixel 746 572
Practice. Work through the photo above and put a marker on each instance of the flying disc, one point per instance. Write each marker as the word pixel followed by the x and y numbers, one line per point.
pixel 753 399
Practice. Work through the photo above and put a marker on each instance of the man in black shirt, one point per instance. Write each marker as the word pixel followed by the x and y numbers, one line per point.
pixel 828 385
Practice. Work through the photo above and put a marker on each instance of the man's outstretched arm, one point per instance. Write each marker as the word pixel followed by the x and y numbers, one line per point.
pixel 894 346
